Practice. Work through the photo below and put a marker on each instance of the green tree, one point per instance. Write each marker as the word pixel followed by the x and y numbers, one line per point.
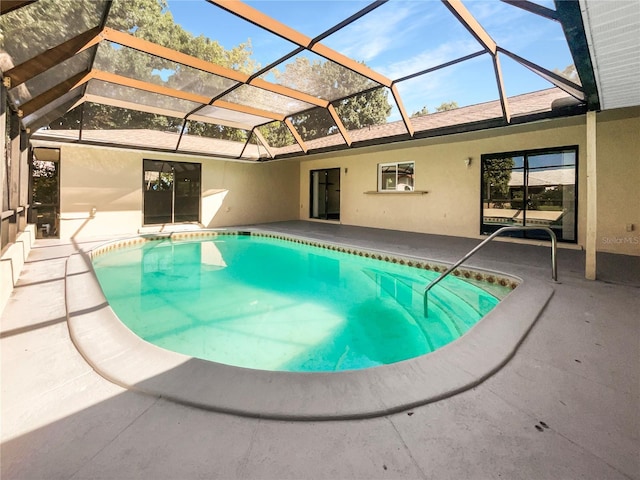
pixel 446 106
pixel 423 111
pixel 276 134
pixel 153 21
pixel 35 28
pixel 222 132
pixel 335 83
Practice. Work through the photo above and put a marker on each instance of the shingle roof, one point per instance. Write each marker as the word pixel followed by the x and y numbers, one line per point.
pixel 527 104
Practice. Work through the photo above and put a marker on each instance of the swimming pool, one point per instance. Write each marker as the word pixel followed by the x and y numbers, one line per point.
pixel 124 358
pixel 275 304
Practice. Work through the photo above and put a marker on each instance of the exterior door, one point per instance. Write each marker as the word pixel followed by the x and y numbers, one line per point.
pixel 531 188
pixel 325 194
pixel 45 175
pixel 171 192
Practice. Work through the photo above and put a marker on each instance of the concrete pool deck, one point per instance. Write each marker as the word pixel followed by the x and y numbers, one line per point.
pixel 565 406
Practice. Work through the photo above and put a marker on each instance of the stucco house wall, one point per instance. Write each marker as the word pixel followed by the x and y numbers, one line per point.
pixel 618 177
pixel 452 204
pixel 101 190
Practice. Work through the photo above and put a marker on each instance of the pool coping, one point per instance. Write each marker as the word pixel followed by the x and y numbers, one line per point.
pixel 125 359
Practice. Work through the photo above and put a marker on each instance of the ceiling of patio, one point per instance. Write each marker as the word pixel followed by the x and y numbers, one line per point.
pixel 259 80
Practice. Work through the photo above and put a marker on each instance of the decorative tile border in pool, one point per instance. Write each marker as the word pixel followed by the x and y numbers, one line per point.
pixel 155 237
pixel 490 281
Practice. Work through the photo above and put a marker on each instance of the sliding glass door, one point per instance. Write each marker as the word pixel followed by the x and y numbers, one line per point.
pixel 531 188
pixel 171 192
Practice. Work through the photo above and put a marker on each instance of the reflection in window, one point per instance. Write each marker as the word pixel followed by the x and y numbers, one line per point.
pixel 535 188
pixel 395 177
pixel 158 181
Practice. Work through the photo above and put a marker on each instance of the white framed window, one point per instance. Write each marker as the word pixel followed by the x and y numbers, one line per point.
pixel 396 176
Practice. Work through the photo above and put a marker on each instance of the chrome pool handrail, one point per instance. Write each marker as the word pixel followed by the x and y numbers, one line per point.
pixel 554 260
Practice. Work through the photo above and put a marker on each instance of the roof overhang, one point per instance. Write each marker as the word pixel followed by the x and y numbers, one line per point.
pixel 612 31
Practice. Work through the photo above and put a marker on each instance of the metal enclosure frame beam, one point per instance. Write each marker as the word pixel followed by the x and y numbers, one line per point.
pixel 52 57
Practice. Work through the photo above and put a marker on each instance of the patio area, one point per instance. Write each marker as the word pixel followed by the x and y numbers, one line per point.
pixel 565 407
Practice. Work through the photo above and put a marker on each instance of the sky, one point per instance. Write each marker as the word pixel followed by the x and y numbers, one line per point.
pixel 399 38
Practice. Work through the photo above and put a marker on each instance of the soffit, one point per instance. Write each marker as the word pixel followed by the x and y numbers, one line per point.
pixel 613 33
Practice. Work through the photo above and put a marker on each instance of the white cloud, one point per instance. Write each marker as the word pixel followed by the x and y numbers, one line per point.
pixel 430 58
pixel 492 14
pixel 425 90
pixel 510 26
pixel 466 83
pixel 379 31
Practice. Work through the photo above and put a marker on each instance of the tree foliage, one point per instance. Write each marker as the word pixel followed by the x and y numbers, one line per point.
pixel 443 107
pixel 335 83
pixel 33 29
pixel 419 113
pixel 276 134
pixel 446 106
pixel 153 21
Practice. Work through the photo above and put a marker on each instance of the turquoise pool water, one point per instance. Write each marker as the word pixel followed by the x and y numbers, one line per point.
pixel 271 304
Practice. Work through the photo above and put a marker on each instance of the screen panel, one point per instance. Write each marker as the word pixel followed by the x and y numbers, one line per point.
pixel 52 77
pixel 212 139
pixel 109 124
pixel 40 26
pixel 317 76
pixel 138 65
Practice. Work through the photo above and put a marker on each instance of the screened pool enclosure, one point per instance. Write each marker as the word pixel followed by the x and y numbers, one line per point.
pixel 267 79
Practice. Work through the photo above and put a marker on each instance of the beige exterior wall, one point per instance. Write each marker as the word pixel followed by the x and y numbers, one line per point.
pixel 618 179
pixel 101 191
pixel 452 204
pixel 235 193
